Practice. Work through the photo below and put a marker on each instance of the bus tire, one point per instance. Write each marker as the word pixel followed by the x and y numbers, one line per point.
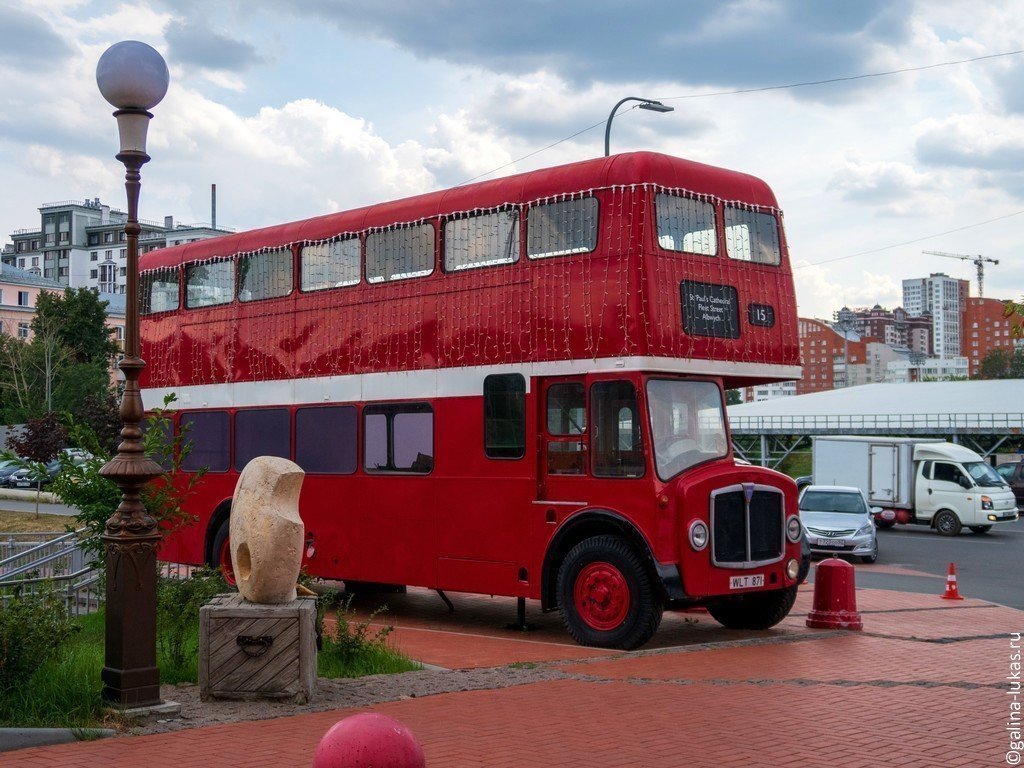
pixel 947 523
pixel 606 595
pixel 221 559
pixel 760 610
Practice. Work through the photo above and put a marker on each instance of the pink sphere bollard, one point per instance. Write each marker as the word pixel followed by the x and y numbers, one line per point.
pixel 835 597
pixel 368 740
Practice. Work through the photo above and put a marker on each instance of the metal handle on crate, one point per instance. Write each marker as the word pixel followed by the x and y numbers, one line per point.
pixel 254 647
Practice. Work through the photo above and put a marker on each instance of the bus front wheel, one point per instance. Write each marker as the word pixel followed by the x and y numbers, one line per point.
pixel 606 595
pixel 222 553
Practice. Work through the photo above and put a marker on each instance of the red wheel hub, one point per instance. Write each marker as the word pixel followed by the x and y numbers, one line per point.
pixel 601 596
pixel 224 558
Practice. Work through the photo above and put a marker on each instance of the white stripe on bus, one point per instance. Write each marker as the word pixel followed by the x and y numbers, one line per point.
pixel 434 383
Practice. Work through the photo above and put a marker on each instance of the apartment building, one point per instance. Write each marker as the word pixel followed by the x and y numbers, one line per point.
pixel 81 244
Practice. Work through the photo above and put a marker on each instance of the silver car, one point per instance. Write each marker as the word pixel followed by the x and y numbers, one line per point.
pixel 838 521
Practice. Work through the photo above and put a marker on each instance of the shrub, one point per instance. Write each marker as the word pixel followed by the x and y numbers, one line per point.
pixel 177 621
pixel 32 630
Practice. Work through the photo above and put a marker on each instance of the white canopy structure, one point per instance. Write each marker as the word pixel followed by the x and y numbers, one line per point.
pixel 985 415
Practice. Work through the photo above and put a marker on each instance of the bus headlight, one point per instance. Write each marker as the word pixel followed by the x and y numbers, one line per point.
pixel 793 529
pixel 986 502
pixel 792 569
pixel 698 535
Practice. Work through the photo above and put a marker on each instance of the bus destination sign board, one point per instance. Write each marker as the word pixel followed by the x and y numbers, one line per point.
pixel 710 310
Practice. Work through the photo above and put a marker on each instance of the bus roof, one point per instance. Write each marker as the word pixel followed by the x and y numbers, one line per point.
pixel 624 169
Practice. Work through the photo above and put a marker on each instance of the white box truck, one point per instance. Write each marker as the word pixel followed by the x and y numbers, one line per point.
pixel 930 482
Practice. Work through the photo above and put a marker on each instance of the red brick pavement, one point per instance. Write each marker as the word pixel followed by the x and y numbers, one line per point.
pixel 802 699
pixel 592 725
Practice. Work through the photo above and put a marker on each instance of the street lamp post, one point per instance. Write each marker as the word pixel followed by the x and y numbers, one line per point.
pixel 133 77
pixel 648 104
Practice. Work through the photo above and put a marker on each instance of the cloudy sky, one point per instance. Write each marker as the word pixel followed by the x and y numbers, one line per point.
pixel 300 107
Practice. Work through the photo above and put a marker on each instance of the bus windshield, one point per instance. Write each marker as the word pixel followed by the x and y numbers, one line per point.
pixel 687 424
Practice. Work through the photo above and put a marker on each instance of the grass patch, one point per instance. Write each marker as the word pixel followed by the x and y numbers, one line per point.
pixel 65 691
pixel 380 659
pixel 354 648
pixel 18 522
pixel 797 464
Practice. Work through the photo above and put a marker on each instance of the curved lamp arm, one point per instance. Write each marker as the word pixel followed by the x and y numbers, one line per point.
pixel 649 104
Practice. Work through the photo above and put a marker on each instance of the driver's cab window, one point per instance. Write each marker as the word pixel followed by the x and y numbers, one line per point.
pixel 949 473
pixel 617 450
pixel 566 426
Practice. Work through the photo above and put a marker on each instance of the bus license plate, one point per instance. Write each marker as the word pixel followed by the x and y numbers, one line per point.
pixel 746 582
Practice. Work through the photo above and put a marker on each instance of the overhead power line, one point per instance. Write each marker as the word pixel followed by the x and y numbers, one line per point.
pixel 739 91
pixel 846 79
pixel 909 242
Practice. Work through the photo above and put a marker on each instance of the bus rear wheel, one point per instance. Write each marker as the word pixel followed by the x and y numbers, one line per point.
pixel 222 554
pixel 759 610
pixel 606 595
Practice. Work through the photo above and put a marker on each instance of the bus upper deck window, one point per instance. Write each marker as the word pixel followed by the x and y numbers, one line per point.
pixel 210 283
pixel 160 291
pixel 330 265
pixel 560 228
pixel 685 224
pixel 752 236
pixel 266 275
pixel 399 254
pixel 481 241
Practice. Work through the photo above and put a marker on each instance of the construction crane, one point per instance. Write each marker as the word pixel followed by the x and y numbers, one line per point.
pixel 979 262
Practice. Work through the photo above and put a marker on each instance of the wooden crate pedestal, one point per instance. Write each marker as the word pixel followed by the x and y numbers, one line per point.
pixel 252 651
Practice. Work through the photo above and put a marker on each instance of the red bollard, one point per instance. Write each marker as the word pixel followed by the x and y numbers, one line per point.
pixel 368 740
pixel 835 597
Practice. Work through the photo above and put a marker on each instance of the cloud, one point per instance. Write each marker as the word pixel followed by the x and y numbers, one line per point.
pixel 984 142
pixel 737 43
pixel 29 40
pixel 892 188
pixel 192 41
pixel 817 296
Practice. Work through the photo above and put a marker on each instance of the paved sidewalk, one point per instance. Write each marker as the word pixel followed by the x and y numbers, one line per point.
pixel 923 685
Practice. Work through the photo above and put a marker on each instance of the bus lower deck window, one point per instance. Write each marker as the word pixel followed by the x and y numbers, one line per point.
pixel 261 432
pixel 398 438
pixel 209 436
pixel 325 439
pixel 505 416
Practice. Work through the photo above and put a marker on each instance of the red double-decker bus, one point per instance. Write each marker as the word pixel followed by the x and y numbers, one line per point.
pixel 512 388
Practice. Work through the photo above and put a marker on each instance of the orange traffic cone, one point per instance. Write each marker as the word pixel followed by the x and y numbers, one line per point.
pixel 952 593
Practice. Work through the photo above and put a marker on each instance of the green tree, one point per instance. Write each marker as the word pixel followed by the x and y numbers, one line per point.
pixel 78 320
pixel 1015 308
pixel 732 397
pixel 1002 364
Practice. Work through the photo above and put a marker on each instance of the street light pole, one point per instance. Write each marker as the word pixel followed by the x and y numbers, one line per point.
pixel 648 104
pixel 133 77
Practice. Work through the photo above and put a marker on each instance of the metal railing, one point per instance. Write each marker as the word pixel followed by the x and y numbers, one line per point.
pixel 62 566
pixel 852 423
pixel 15 542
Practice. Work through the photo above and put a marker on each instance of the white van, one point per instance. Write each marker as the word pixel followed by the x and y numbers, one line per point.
pixel 929 482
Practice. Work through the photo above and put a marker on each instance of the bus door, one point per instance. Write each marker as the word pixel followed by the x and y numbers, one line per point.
pixel 562 475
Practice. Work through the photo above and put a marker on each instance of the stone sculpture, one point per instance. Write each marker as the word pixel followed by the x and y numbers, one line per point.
pixel 266 530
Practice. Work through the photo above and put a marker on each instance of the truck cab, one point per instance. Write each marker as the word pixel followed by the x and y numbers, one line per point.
pixel 955 487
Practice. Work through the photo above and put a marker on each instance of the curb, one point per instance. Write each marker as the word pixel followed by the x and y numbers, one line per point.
pixel 28 495
pixel 22 738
